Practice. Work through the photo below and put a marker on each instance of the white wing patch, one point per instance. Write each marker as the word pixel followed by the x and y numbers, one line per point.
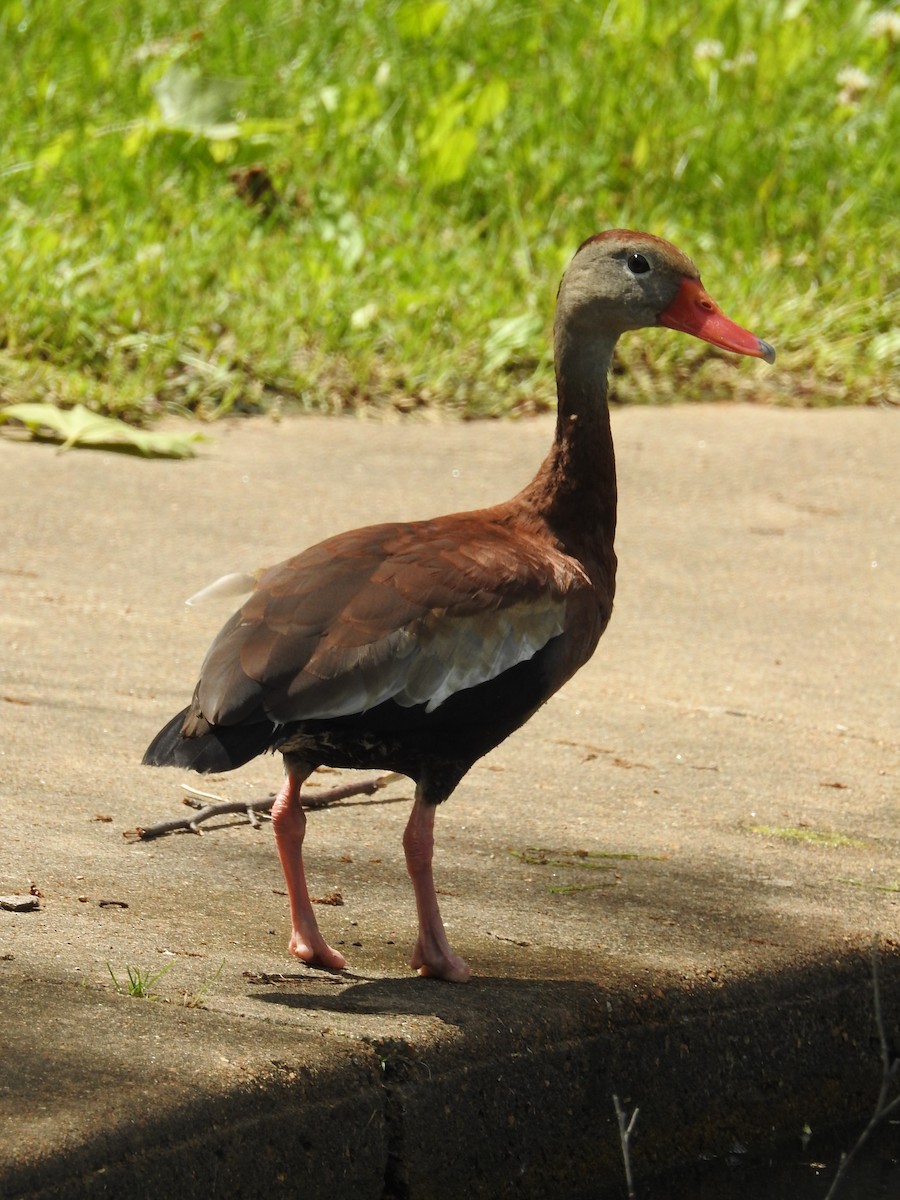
pixel 424 663
pixel 465 652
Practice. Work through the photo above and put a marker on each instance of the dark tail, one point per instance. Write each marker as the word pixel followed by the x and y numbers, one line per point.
pixel 222 749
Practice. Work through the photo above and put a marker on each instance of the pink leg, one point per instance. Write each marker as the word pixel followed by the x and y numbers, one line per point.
pixel 289 823
pixel 433 954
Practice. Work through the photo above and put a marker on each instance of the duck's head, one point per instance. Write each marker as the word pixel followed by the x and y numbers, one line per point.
pixel 621 280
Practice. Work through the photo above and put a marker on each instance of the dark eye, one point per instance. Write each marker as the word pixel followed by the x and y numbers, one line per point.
pixel 637 264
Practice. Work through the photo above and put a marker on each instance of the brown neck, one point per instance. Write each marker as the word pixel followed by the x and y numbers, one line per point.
pixel 575 488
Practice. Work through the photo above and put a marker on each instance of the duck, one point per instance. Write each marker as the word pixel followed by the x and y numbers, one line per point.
pixel 419 646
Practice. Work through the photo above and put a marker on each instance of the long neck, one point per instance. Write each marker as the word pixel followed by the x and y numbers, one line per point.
pixel 575 488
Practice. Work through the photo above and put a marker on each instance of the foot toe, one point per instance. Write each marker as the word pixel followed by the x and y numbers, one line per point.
pixel 316 954
pixel 457 971
pixel 440 965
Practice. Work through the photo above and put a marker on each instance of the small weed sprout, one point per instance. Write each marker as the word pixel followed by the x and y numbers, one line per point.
pixel 140 982
pixel 198 999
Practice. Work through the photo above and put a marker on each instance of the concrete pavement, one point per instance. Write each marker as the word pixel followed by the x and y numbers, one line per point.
pixel 666 884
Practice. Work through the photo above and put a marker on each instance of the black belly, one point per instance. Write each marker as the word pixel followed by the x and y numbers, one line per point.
pixel 434 748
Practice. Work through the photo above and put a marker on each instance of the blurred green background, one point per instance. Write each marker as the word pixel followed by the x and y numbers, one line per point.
pixel 221 206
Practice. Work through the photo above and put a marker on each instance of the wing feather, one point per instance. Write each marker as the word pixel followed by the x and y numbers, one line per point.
pixel 412 613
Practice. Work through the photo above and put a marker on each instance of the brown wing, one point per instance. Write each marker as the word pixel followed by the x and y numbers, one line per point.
pixel 413 612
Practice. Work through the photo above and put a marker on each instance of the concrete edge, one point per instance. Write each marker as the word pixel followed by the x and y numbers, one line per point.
pixel 488 1112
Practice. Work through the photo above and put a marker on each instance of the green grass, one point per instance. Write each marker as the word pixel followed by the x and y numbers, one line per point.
pixel 583 860
pixel 140 981
pixel 427 169
pixel 869 886
pixel 578 860
pixel 198 999
pixel 809 837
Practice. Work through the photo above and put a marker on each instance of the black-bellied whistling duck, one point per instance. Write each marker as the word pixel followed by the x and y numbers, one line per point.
pixel 418 647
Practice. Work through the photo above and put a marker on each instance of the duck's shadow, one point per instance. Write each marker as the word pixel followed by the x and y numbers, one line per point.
pixel 483 1001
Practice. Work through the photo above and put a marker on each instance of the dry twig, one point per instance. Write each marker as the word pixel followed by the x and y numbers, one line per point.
pixel 252 809
pixel 626 1129
pixel 890 1072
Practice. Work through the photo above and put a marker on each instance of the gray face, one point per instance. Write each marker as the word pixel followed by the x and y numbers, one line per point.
pixel 622 281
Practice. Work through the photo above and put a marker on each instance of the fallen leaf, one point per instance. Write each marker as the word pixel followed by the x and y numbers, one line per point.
pixel 79 426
